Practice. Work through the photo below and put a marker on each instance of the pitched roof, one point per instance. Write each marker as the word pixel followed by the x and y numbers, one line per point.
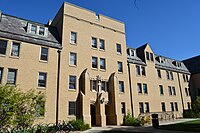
pixel 16 28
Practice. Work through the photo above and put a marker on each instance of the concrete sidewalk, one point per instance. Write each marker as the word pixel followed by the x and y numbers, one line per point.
pixel 147 129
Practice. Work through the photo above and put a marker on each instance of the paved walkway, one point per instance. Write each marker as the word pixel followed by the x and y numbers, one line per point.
pixel 147 129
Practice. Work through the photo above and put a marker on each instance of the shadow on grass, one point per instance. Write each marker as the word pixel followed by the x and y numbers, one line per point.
pixel 124 130
pixel 193 126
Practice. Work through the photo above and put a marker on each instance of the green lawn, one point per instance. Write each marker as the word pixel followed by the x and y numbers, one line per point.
pixel 119 132
pixel 185 126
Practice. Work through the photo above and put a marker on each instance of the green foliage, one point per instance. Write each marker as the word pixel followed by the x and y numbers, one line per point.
pixel 17 108
pixel 79 125
pixel 130 121
pixel 195 112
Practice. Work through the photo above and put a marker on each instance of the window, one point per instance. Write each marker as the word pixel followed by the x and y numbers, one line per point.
pixel 33 29
pixel 151 56
pixel 167 73
pixel 163 107
pixel 40 109
pixel 11 78
pixel 73 38
pixel 94 85
pixel 42 79
pixel 44 54
pixel 139 86
pixel 1 74
pixel 172 106
pixel 94 62
pixel 176 106
pixel 72 108
pixel 73 59
pixel 170 90
pixel 184 78
pixel 187 79
pixel 101 44
pixel 72 82
pixel 143 71
pixel 171 76
pixel 123 108
pixel 3 47
pixel 173 90
pixel 159 73
pixel 41 31
pixel 161 90
pixel 146 107
pixel 186 92
pixel 120 67
pixel 147 56
pixel 102 63
pixel 94 42
pixel 15 49
pixel 141 107
pixel 121 86
pixel 103 86
pixel 145 89
pixel 137 70
pixel 119 49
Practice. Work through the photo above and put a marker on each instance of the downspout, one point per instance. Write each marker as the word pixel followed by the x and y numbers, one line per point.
pixel 130 85
pixel 180 91
pixel 58 86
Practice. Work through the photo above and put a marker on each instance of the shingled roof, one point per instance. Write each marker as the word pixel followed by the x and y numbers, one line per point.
pixel 16 28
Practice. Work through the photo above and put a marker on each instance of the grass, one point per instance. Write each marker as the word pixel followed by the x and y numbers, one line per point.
pixel 193 126
pixel 120 132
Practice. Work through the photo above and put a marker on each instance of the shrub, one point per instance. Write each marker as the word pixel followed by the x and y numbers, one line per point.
pixel 131 121
pixel 79 125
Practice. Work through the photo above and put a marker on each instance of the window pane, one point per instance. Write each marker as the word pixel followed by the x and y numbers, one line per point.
pixel 94 85
pixel 143 71
pixel 167 73
pixel 72 108
pixel 72 58
pixel 123 108
pixel 174 91
pixel 120 67
pixel 73 38
pixel 3 46
pixel 146 107
pixel 121 86
pixel 171 75
pixel 41 31
pixel 137 70
pixel 151 56
pixel 170 90
pixel 33 29
pixel 44 54
pixel 15 49
pixel 147 55
pixel 1 73
pixel 159 73
pixel 11 78
pixel 172 106
pixel 139 87
pixel 72 82
pixel 102 44
pixel 103 86
pixel 102 63
pixel 145 88
pixel 141 107
pixel 119 50
pixel 161 90
pixel 94 42
pixel 94 62
pixel 163 107
pixel 42 79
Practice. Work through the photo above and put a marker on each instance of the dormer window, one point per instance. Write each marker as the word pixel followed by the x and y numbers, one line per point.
pixel 33 29
pixel 176 63
pixel 37 30
pixel 41 31
pixel 132 53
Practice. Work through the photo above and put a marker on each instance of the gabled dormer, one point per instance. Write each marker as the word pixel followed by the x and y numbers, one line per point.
pixel 176 63
pixel 145 53
pixel 131 52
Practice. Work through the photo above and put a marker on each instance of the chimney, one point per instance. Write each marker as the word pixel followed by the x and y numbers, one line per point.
pixel 0 15
pixel 49 22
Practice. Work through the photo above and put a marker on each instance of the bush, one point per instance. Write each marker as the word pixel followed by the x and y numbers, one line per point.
pixel 79 125
pixel 131 121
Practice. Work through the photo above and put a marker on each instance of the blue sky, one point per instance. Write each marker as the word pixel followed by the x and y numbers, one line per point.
pixel 172 27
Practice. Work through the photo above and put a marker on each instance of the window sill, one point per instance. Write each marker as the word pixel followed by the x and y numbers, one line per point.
pixel 96 69
pixel 120 72
pixel 121 92
pixel 2 55
pixel 94 91
pixel 119 54
pixel 41 88
pixel 14 57
pixel 103 50
pixel 71 43
pixel 72 90
pixel 43 61
pixel 72 65
pixel 103 70
pixel 94 48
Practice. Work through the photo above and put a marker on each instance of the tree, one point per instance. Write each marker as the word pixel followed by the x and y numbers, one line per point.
pixel 18 108
pixel 196 106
